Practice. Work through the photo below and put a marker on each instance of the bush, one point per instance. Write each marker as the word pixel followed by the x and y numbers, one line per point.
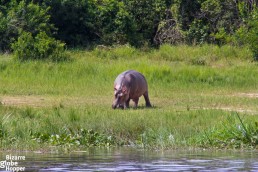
pixel 198 33
pixel 17 17
pixel 248 33
pixel 233 133
pixel 41 47
pixel 4 35
pixel 75 21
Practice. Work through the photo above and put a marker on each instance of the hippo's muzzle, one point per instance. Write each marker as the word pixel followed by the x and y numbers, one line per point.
pixel 114 106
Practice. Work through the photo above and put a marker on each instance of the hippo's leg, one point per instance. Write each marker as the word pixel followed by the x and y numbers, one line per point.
pixel 127 103
pixel 136 102
pixel 147 100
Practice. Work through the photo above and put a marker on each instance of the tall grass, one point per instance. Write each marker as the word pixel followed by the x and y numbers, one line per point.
pixel 233 132
pixel 187 86
pixel 143 127
pixel 91 73
pixel 205 54
pixel 147 128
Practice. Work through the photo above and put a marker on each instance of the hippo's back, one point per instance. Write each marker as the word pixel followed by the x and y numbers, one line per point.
pixel 133 79
pixel 130 75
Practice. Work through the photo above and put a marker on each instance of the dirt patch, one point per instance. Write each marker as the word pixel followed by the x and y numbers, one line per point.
pixel 250 95
pixel 230 109
pixel 52 101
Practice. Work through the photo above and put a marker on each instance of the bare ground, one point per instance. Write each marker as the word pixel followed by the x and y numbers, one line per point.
pixel 48 101
pixel 35 101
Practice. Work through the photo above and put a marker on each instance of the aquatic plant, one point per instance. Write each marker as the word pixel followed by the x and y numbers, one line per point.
pixel 232 133
pixel 160 139
pixel 82 137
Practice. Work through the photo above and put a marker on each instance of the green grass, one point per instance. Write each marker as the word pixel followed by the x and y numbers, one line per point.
pixel 68 104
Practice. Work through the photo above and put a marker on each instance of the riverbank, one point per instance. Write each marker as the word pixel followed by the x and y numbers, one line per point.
pixel 202 96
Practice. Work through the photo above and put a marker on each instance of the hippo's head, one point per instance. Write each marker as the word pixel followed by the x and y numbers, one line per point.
pixel 121 95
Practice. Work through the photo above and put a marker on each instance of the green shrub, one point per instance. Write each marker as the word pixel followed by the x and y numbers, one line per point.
pixel 247 34
pixel 82 137
pixel 232 133
pixel 198 33
pixel 39 47
pixel 5 38
pixel 21 16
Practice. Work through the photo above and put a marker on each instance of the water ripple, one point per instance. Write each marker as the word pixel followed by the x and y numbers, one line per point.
pixel 138 160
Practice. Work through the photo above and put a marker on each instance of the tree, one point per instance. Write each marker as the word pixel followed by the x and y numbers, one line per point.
pixel 30 18
pixel 247 33
pixel 19 17
pixel 146 15
pixel 115 24
pixel 74 20
pixel 25 28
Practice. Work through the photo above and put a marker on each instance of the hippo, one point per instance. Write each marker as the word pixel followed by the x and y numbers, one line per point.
pixel 130 85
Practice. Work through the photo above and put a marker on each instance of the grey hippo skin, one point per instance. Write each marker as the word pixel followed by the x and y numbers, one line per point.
pixel 130 85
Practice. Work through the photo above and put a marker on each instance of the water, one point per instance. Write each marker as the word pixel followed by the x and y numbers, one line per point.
pixel 128 159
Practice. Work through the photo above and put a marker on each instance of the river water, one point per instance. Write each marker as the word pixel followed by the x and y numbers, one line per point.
pixel 130 159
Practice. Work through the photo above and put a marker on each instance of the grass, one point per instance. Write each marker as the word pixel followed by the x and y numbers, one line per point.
pixel 232 133
pixel 194 91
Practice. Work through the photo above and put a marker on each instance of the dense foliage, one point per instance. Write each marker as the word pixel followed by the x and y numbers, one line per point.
pixel 39 47
pixel 86 23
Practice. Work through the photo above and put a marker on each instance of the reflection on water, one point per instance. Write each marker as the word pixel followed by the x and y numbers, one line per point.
pixel 128 159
